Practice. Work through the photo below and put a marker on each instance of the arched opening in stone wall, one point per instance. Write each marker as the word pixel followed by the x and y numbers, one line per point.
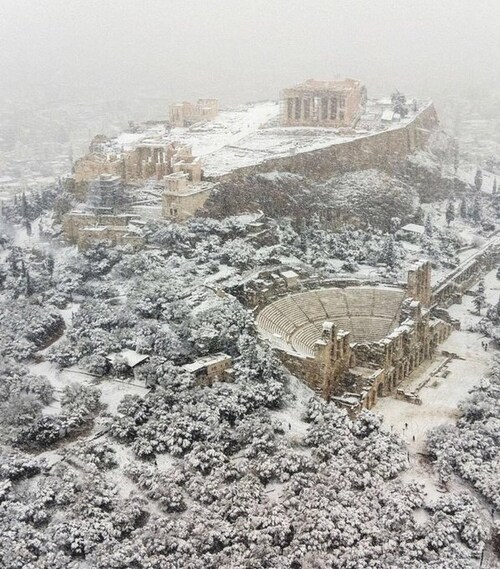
pixel 380 390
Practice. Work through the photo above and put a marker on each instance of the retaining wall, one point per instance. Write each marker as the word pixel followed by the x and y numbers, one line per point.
pixel 383 150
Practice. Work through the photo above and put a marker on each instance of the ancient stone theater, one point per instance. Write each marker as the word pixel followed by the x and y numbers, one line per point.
pixel 355 344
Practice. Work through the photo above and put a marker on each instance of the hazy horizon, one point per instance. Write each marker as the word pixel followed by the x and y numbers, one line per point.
pixel 240 50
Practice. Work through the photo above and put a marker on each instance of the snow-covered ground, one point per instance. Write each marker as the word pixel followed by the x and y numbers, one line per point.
pixel 441 395
pixel 449 381
pixel 291 416
pixel 265 143
pixel 247 135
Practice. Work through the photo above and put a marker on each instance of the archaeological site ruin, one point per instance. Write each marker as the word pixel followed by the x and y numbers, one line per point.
pixel 323 103
pixel 355 344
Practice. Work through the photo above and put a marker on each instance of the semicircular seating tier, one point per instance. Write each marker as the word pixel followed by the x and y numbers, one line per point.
pixel 295 322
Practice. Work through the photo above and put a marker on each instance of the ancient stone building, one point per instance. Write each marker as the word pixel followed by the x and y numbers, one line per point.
pixel 184 161
pixel 91 167
pixel 450 290
pixel 109 235
pixel 419 283
pixel 101 226
pixel 182 198
pixel 323 103
pixel 209 368
pixel 185 114
pixel 184 191
pixel 147 160
pixel 355 344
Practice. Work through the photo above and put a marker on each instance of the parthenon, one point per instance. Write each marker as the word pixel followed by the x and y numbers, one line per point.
pixel 323 103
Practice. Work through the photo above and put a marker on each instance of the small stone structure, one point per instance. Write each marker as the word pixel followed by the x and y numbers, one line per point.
pixel 291 279
pixel 411 232
pixel 110 236
pixel 185 114
pixel 355 344
pixel 101 226
pixel 184 191
pixel 130 359
pixel 211 367
pixel 323 103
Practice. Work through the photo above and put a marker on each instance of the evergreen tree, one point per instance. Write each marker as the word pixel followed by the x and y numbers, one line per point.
pixel 456 158
pixel 419 216
pixel 463 209
pixel 49 263
pixel 395 224
pixel 388 254
pixel 476 212
pixel 29 288
pixel 497 308
pixel 429 229
pixel 478 179
pixel 480 299
pixel 24 206
pixel 494 191
pixel 450 212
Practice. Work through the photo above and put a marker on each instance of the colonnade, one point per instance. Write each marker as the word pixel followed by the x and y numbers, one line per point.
pixel 307 109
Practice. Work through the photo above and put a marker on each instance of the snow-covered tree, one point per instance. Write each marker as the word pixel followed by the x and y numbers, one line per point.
pixel 479 299
pixel 450 212
pixel 478 179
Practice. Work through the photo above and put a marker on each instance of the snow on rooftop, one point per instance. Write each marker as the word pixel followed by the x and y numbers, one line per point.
pixel 289 274
pixel 414 228
pixel 388 116
pixel 206 361
pixel 131 357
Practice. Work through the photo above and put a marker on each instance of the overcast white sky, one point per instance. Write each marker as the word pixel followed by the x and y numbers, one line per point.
pixel 241 50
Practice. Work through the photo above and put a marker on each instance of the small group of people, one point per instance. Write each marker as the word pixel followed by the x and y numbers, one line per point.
pixel 405 429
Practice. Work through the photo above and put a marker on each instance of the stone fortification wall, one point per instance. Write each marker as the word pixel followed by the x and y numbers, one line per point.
pixel 466 274
pixel 384 150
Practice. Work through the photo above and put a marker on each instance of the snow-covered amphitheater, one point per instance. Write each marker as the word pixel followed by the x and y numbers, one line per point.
pixel 357 343
pixel 295 322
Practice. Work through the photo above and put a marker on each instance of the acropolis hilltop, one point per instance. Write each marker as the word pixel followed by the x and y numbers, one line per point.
pixel 315 129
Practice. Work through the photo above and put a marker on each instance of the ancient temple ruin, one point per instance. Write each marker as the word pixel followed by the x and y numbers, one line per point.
pixel 323 103
pixel 186 114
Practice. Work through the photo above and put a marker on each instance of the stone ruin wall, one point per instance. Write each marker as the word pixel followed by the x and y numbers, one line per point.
pixel 391 360
pixel 74 222
pixel 465 276
pixel 259 293
pixel 186 204
pixel 109 235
